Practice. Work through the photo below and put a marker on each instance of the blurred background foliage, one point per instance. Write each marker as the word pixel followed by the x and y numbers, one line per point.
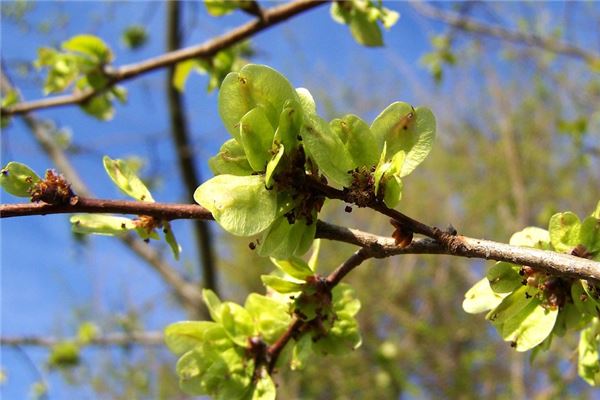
pixel 518 139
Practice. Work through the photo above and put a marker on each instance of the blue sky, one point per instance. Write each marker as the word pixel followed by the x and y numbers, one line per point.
pixel 44 276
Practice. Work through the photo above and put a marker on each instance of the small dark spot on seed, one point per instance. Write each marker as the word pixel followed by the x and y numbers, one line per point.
pixel 147 240
pixel 252 245
pixel 348 209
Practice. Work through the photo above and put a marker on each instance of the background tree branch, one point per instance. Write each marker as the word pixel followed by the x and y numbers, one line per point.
pixel 467 24
pixel 271 17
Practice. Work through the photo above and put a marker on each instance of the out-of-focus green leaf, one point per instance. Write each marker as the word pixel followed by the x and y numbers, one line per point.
pixel 134 37
pixel 281 285
pixel 91 46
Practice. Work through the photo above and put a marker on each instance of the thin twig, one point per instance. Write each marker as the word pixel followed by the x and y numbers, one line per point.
pixel 208 49
pixel 163 211
pixel 149 338
pixel 467 24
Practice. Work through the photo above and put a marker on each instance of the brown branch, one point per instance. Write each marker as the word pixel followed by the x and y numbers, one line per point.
pixel 208 49
pixel 111 339
pixel 164 211
pixel 470 25
pixel 185 155
pixel 378 246
pixel 275 349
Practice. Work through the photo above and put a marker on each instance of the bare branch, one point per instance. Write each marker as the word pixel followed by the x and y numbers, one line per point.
pixel 209 48
pixel 469 25
pixel 149 338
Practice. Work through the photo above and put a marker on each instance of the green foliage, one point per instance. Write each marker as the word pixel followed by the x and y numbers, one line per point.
pixel 441 56
pixel 134 37
pixel 217 67
pixel 64 355
pixel 362 17
pixel 218 8
pixel 529 307
pixel 279 141
pixel 18 179
pixel 226 358
pixel 229 356
pixel 81 62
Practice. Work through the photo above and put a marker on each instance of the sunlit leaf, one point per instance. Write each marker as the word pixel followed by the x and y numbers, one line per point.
pixel 327 150
pixel 253 86
pixel 481 298
pixel 230 160
pixel 280 285
pixel 126 179
pixel 100 224
pixel 405 128
pixel 240 204
pixel 256 135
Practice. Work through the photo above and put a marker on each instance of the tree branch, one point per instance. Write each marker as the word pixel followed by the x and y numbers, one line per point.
pixel 185 155
pixel 162 211
pixel 149 338
pixel 469 25
pixel 209 48
pixel 440 242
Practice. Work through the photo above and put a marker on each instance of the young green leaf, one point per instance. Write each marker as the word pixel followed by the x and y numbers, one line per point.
pixel 256 135
pixel 481 298
pixel 184 336
pixel 364 30
pixel 134 36
pixel 18 179
pixel 240 204
pixel 294 267
pixel 511 305
pixel 126 179
pixel 306 101
pixel 281 285
pixel 283 240
pixel 405 128
pixel 301 352
pixel 589 357
pixel 237 322
pixel 90 46
pixel 212 303
pixel 264 389
pixel 100 106
pixel 100 224
pixel 358 138
pixel 327 150
pixel 253 86
pixel 230 160
pixel 64 355
pixel 272 166
pixel 589 236
pixel 504 277
pixel 171 240
pixel 271 317
pixel 530 326
pixel 564 231
pixel 531 237
pixel 290 123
